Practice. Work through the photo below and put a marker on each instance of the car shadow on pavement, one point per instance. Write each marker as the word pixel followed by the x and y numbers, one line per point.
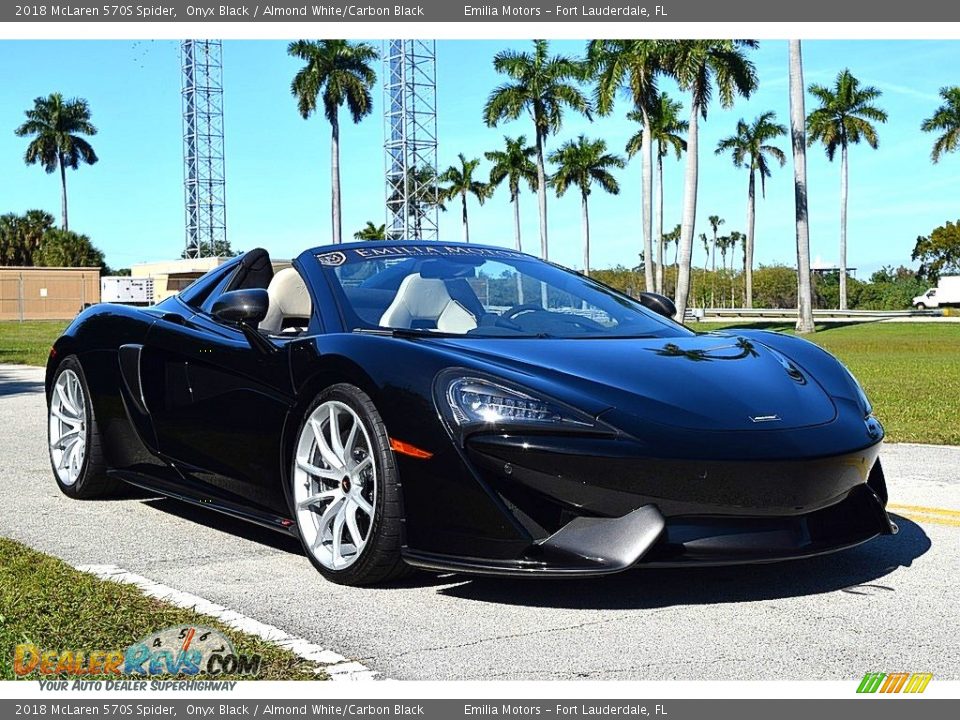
pixel 856 571
pixel 11 384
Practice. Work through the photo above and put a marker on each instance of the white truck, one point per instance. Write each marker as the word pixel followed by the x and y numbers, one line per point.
pixel 945 294
pixel 126 290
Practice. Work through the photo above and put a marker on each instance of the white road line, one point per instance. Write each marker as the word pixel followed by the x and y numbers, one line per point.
pixel 334 664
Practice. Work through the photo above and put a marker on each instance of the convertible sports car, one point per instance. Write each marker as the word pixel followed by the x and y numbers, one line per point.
pixel 470 409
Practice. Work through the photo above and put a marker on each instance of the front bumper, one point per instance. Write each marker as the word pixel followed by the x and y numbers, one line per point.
pixel 599 508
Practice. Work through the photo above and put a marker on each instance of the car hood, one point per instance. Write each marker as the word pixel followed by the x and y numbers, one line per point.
pixel 702 382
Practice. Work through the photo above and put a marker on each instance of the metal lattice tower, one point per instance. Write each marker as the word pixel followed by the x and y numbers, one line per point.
pixel 203 166
pixel 410 138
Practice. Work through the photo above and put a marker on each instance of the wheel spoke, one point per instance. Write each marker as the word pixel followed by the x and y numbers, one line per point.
pixel 362 503
pixel 351 439
pixel 335 443
pixel 329 457
pixel 351 511
pixel 65 401
pixel 363 464
pixel 318 498
pixel 74 421
pixel 317 471
pixel 327 518
pixel 66 436
pixel 338 534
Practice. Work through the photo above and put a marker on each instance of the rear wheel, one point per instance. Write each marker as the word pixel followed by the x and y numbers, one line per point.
pixel 345 490
pixel 74 442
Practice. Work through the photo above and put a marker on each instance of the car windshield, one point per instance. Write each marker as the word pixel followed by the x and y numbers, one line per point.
pixel 479 292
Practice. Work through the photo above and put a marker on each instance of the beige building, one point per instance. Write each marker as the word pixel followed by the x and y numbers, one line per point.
pixel 45 293
pixel 172 276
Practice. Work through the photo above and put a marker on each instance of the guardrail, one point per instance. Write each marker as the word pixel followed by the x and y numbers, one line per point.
pixel 834 314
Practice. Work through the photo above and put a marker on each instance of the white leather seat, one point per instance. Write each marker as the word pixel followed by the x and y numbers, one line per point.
pixel 427 299
pixel 289 302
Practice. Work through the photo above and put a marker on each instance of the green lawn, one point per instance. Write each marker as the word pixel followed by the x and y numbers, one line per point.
pixel 46 602
pixel 910 371
pixel 28 342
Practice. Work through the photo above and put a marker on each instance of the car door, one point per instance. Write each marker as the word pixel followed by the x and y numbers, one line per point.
pixel 218 405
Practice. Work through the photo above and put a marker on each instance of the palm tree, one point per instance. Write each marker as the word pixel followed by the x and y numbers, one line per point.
pixel 946 119
pixel 462 183
pixel 844 118
pixel 417 189
pixel 633 65
pixel 737 238
pixel 705 239
pixel 799 144
pixel 715 222
pixel 56 126
pixel 340 71
pixel 514 164
pixel 662 124
pixel 750 147
pixel 371 231
pixel 542 85
pixel 698 66
pixel 582 162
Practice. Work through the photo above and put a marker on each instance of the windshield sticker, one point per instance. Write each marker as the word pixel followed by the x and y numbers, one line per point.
pixel 337 258
pixel 332 259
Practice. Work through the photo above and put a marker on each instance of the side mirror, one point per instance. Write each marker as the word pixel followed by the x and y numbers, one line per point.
pixel 660 304
pixel 245 307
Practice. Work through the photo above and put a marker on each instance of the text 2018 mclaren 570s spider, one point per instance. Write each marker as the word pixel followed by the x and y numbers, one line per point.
pixel 470 409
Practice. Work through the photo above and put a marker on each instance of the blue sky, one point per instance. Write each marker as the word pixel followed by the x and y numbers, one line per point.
pixel 131 202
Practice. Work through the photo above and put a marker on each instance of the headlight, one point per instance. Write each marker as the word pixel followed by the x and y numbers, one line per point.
pixel 470 401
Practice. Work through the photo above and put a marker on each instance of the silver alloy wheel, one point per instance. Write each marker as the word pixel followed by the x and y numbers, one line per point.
pixel 68 427
pixel 335 485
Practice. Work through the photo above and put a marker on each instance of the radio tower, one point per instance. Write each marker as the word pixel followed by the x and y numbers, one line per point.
pixel 410 138
pixel 203 167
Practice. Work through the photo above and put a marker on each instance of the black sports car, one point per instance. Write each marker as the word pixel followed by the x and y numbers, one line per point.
pixel 466 408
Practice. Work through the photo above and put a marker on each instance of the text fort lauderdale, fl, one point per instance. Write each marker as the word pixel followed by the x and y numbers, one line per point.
pixel 635 11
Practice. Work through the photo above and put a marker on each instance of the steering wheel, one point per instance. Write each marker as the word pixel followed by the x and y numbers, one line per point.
pixel 512 312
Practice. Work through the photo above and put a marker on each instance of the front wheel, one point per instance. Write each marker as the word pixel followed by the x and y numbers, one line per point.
pixel 345 491
pixel 921 306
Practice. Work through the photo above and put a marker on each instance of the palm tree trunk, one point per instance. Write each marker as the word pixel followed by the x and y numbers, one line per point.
pixel 713 270
pixel 516 237
pixel 335 178
pixel 542 203
pixel 542 197
pixel 647 200
pixel 748 250
pixel 685 248
pixel 843 226
pixel 659 285
pixel 799 142
pixel 63 193
pixel 466 223
pixel 585 221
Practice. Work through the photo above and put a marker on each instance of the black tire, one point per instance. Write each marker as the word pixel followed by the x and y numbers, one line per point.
pixel 921 306
pixel 92 481
pixel 380 560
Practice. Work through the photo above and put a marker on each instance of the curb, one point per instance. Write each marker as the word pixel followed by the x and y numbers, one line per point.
pixel 337 666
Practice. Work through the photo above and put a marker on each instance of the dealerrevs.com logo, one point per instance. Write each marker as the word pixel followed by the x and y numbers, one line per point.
pixel 180 650
pixel 902 682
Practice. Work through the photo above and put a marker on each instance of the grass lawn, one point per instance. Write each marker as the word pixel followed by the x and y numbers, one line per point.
pixel 910 371
pixel 28 342
pixel 46 602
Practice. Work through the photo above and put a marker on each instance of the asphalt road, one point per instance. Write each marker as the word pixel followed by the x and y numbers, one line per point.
pixel 890 605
